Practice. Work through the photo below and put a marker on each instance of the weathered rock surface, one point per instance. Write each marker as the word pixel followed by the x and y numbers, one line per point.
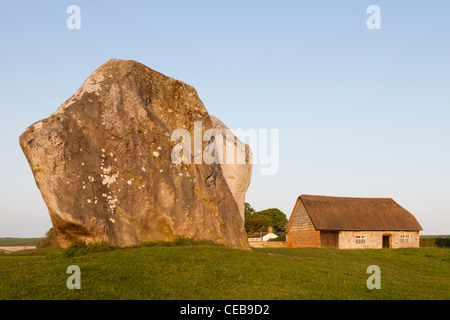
pixel 103 164
pixel 236 167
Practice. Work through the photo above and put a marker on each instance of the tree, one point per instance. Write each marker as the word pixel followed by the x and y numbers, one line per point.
pixel 276 217
pixel 256 224
pixel 256 221
pixel 248 208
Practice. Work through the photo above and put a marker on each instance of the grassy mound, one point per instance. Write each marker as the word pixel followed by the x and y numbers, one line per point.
pixel 199 270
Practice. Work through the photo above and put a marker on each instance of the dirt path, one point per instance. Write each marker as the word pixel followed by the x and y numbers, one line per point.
pixel 16 248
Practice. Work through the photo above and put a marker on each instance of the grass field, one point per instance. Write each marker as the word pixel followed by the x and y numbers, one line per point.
pixel 216 272
pixel 19 242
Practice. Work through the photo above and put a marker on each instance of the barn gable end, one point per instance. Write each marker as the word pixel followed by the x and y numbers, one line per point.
pixel 299 219
pixel 300 230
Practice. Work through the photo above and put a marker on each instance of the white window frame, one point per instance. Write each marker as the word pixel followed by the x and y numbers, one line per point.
pixel 361 239
pixel 405 238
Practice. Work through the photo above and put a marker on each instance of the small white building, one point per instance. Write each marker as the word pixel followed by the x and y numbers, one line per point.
pixel 263 236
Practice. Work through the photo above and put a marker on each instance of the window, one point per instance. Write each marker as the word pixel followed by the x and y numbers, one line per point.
pixel 361 239
pixel 404 239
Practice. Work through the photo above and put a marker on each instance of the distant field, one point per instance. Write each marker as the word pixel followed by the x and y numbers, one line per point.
pixel 434 241
pixel 435 236
pixel 217 272
pixel 19 242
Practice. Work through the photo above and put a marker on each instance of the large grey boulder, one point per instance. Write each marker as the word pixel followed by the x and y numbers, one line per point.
pixel 103 164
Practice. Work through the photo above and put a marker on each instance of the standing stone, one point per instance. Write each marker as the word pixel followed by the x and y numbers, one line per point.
pixel 103 164
pixel 237 168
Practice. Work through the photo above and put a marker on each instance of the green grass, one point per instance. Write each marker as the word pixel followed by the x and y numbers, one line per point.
pixel 191 270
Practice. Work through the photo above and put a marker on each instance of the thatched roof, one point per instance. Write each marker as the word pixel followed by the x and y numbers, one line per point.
pixel 358 214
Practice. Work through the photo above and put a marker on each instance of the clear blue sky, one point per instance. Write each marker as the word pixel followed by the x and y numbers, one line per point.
pixel 360 112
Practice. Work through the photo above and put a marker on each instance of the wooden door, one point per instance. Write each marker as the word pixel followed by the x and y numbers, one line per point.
pixel 386 242
pixel 329 239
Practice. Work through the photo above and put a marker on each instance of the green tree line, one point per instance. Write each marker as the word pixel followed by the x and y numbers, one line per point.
pixel 260 221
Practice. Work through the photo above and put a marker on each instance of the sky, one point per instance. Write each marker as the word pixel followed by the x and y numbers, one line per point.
pixel 360 112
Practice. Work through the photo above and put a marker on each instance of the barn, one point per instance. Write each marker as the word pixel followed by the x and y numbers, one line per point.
pixel 351 223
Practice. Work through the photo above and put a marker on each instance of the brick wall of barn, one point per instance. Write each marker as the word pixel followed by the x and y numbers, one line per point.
pixel 374 239
pixel 303 238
